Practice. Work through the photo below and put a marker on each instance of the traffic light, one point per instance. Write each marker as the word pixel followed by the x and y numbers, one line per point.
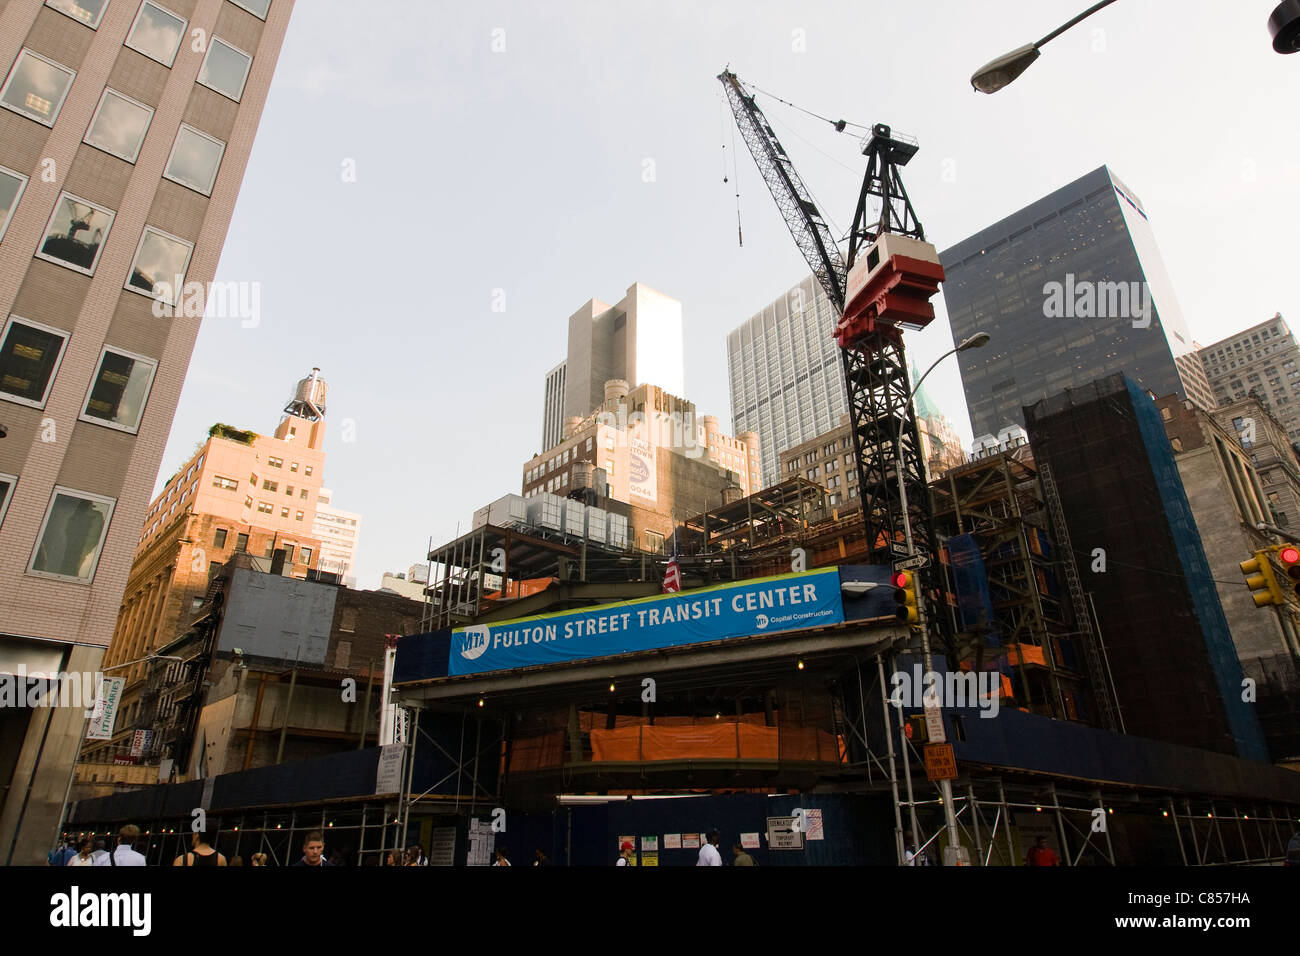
pixel 1262 581
pixel 1289 555
pixel 906 597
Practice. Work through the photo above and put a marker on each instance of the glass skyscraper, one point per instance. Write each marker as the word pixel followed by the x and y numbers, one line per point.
pixel 1070 289
pixel 787 384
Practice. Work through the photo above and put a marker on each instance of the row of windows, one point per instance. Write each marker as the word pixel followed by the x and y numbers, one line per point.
pixel 30 354
pixel 220 536
pixel 71 533
pixel 266 508
pixel 77 229
pixel 560 460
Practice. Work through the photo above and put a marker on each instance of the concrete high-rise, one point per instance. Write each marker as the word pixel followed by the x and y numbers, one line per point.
pixel 787 383
pixel 639 340
pixel 1071 289
pixel 339 532
pixel 123 143
pixel 1261 361
pixel 239 493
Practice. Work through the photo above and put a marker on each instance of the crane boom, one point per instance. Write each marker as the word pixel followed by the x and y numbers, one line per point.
pixel 809 229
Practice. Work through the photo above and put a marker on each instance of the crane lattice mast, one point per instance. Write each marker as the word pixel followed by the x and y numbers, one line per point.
pixel 874 301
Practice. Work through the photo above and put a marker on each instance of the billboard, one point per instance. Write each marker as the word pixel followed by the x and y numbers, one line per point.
pixel 642 465
pixel 786 602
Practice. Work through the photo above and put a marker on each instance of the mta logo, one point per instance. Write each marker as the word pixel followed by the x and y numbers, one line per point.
pixel 761 621
pixel 475 641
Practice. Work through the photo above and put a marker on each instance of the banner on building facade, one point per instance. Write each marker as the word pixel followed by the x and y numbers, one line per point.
pixel 642 465
pixel 787 602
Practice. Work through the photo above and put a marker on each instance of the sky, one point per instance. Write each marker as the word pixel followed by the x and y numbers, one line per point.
pixel 436 186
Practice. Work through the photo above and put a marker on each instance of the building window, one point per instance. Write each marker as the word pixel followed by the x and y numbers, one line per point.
pixel 227 484
pixel 293 466
pixel 269 485
pixel 307 471
pixel 156 33
pixel 195 159
pixel 88 12
pixel 248 501
pixel 654 542
pixel 160 260
pixel 225 69
pixel 290 551
pixel 297 518
pixel 288 490
pixel 284 512
pixel 265 508
pixel 12 185
pixel 241 543
pixel 75 234
pixel 7 483
pixel 119 125
pixel 36 87
pixel 119 390
pixel 303 494
pixel 29 357
pixel 257 8
pixel 219 538
pixel 71 535
pixel 275 462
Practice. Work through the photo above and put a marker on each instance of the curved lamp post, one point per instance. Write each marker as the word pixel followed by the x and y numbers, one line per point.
pixel 995 74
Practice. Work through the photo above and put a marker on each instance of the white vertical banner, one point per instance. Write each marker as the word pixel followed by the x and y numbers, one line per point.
pixel 105 713
pixel 387 710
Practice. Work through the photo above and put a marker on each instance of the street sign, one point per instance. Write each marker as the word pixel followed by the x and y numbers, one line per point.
pixel 934 724
pixel 782 834
pixel 940 762
pixel 912 563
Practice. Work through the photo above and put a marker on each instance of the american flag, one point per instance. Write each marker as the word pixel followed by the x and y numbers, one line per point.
pixel 673 576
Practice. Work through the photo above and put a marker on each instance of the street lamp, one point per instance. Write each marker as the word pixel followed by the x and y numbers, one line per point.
pixel 995 74
pixel 978 340
pixel 1284 26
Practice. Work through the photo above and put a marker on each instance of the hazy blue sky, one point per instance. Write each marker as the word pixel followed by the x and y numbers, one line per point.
pixel 522 170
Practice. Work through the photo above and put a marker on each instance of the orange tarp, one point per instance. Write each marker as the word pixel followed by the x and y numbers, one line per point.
pixel 711 741
pixel 1033 655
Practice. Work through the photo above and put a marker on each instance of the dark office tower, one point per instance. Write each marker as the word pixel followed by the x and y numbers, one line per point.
pixel 1071 289
pixel 1176 673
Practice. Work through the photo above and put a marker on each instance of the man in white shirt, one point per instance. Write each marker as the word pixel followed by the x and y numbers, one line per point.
pixel 124 853
pixel 709 855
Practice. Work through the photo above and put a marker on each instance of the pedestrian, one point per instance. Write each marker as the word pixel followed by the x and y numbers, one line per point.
pixel 201 853
pixel 912 855
pixel 540 858
pixel 64 852
pixel 124 854
pixel 1040 854
pixel 625 854
pixel 236 860
pixel 709 855
pixel 257 859
pixel 417 856
pixel 83 856
pixel 742 858
pixel 501 857
pixel 313 850
pixel 392 858
pixel 99 855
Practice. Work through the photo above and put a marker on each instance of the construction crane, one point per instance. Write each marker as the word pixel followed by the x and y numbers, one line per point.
pixel 883 287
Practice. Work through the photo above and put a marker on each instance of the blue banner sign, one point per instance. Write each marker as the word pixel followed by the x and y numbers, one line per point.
pixel 787 602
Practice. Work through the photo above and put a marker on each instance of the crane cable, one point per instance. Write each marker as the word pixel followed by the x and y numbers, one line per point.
pixel 838 124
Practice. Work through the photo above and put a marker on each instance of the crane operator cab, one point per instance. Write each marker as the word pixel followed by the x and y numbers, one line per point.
pixel 890 286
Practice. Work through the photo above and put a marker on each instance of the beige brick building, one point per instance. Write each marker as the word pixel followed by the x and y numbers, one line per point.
pixel 125 130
